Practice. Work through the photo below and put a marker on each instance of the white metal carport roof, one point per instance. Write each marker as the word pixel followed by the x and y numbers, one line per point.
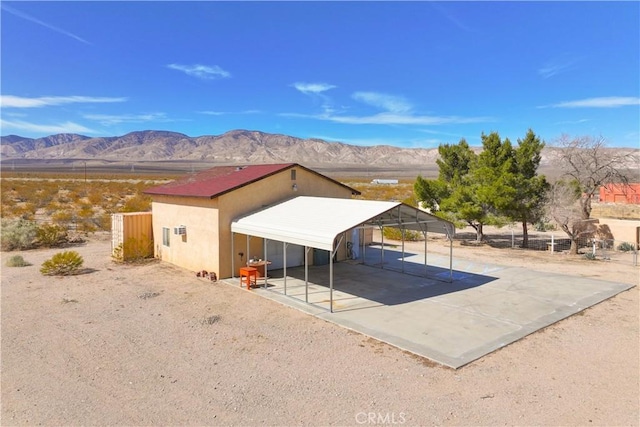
pixel 317 221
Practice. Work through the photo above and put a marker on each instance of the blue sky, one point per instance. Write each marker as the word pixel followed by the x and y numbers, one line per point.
pixel 411 74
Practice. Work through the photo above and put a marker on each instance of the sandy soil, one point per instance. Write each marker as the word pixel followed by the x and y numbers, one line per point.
pixel 153 344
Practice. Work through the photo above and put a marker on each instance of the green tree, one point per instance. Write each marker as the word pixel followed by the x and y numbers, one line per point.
pixel 454 161
pixel 430 192
pixel 453 165
pixel 528 198
pixel 480 196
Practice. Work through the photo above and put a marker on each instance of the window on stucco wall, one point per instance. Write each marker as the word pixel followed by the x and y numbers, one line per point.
pixel 166 235
pixel 293 174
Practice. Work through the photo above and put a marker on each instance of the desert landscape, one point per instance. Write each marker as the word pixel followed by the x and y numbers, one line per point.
pixel 153 344
pixel 435 207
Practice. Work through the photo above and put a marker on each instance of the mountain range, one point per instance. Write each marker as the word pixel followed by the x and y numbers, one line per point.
pixel 233 147
pixel 237 146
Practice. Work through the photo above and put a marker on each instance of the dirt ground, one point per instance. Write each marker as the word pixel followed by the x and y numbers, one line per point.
pixel 155 345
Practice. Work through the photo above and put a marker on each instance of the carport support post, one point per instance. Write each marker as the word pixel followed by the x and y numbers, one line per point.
pixel 450 258
pixel 331 282
pixel 382 247
pixel 306 274
pixel 362 240
pixel 425 252
pixel 265 263
pixel 284 257
pixel 233 256
pixel 402 249
pixel 248 248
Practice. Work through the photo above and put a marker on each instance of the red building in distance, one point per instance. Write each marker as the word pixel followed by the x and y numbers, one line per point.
pixel 620 193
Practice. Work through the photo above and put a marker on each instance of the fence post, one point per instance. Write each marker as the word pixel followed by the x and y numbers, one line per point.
pixel 513 244
pixel 553 247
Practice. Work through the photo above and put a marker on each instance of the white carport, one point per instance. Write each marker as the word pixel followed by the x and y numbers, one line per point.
pixel 321 223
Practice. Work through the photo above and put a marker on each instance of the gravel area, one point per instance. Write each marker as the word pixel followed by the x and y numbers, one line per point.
pixel 153 344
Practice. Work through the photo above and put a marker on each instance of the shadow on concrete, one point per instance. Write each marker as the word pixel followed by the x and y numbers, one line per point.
pixel 383 286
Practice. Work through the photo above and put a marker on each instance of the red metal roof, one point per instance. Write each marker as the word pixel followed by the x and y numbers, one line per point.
pixel 219 180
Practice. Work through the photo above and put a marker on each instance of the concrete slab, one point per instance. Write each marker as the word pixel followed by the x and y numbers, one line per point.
pixel 484 308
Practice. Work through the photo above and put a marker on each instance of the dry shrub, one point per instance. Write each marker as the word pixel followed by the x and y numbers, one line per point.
pixel 137 203
pixel 17 261
pixel 396 234
pixel 52 235
pixel 133 250
pixel 18 234
pixel 62 264
pixel 62 217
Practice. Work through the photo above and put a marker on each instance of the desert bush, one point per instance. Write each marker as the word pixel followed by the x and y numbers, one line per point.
pixel 103 221
pixel 133 250
pixel 51 235
pixel 626 247
pixel 95 197
pixel 85 211
pixel 17 261
pixel 543 226
pixel 27 210
pixel 87 226
pixel 62 217
pixel 18 234
pixel 137 203
pixel 590 256
pixel 62 264
pixel 396 234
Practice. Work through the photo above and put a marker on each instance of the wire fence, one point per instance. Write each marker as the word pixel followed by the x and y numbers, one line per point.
pixel 621 251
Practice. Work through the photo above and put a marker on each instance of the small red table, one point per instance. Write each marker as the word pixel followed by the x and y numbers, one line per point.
pixel 249 272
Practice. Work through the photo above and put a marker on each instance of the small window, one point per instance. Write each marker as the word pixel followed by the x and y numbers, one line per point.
pixel 293 174
pixel 166 234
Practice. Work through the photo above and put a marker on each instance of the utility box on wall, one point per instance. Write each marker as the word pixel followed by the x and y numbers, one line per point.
pixel 131 236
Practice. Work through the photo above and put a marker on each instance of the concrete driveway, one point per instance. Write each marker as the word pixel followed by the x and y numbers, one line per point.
pixel 484 308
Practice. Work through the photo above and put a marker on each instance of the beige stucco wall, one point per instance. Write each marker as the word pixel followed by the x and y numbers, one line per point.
pixel 207 245
pixel 198 249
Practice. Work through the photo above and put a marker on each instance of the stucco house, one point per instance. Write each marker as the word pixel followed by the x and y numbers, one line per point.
pixel 192 217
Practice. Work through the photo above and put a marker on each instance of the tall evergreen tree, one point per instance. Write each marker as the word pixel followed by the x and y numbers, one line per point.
pixel 528 199
pixel 497 185
pixel 478 196
pixel 455 161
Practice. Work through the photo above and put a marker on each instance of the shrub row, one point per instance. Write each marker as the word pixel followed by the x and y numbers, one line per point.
pixel 21 234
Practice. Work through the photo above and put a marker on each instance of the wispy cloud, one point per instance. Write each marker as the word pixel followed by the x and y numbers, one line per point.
pixel 572 122
pixel 393 119
pixel 397 110
pixel 316 92
pixel 30 18
pixel 404 119
pixel 602 102
pixel 369 142
pixel 10 101
pixel 66 127
pixel 205 72
pixel 390 103
pixel 312 88
pixel 450 16
pixel 114 119
pixel 556 66
pixel 223 113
